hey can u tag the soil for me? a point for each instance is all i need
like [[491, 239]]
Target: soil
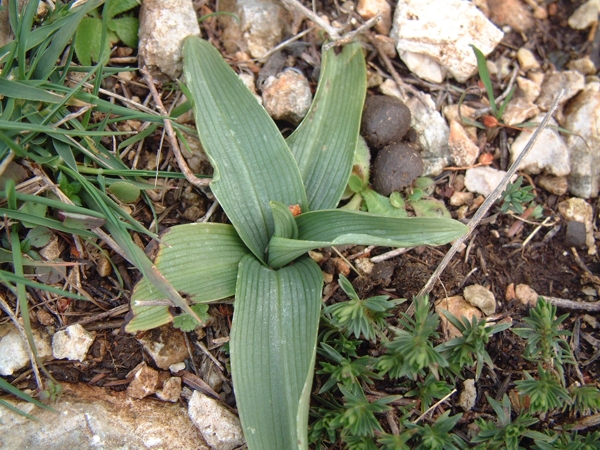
[[492, 258]]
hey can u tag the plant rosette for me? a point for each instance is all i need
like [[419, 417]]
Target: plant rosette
[[259, 178]]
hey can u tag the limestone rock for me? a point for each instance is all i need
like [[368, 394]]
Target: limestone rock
[[144, 383], [527, 60], [370, 8], [433, 37], [463, 150], [526, 295], [550, 153], [468, 396], [287, 96], [165, 345], [582, 118], [554, 185], [262, 25], [512, 13], [164, 24], [572, 82], [585, 16], [72, 343], [94, 418], [13, 350], [171, 390], [220, 427], [480, 297], [483, 180]]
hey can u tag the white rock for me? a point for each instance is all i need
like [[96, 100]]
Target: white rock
[[13, 350], [526, 295], [583, 65], [171, 390], [549, 154], [177, 367], [468, 396], [430, 127], [483, 180], [480, 297], [287, 96], [144, 382], [460, 198], [365, 265], [164, 24], [370, 8], [572, 82], [95, 418], [519, 110], [554, 185], [459, 308], [527, 60], [463, 150], [72, 343], [165, 345], [262, 24], [433, 37], [220, 427], [528, 89], [577, 209], [585, 16], [582, 117]]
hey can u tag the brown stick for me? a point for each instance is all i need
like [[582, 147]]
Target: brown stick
[[192, 179]]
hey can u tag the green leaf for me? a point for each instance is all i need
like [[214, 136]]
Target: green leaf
[[186, 323], [6, 386], [273, 346], [325, 141], [430, 207], [484, 74], [339, 227], [252, 163], [126, 28], [125, 191], [115, 7], [88, 41], [285, 225], [200, 260], [378, 204], [18, 89]]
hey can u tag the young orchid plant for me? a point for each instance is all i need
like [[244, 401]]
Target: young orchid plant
[[280, 196]]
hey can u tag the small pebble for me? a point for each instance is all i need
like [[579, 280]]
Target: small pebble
[[468, 396], [461, 198], [526, 295], [287, 96], [527, 60], [144, 383], [481, 297], [554, 185]]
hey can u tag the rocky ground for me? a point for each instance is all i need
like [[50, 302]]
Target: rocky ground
[[419, 54]]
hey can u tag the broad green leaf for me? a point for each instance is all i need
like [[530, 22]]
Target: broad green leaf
[[273, 346], [200, 260], [285, 225], [252, 163], [88, 42], [113, 8], [125, 191], [378, 204], [340, 227], [126, 28], [324, 143]]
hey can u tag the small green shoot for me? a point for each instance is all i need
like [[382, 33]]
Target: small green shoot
[[360, 317], [476, 334], [505, 433]]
